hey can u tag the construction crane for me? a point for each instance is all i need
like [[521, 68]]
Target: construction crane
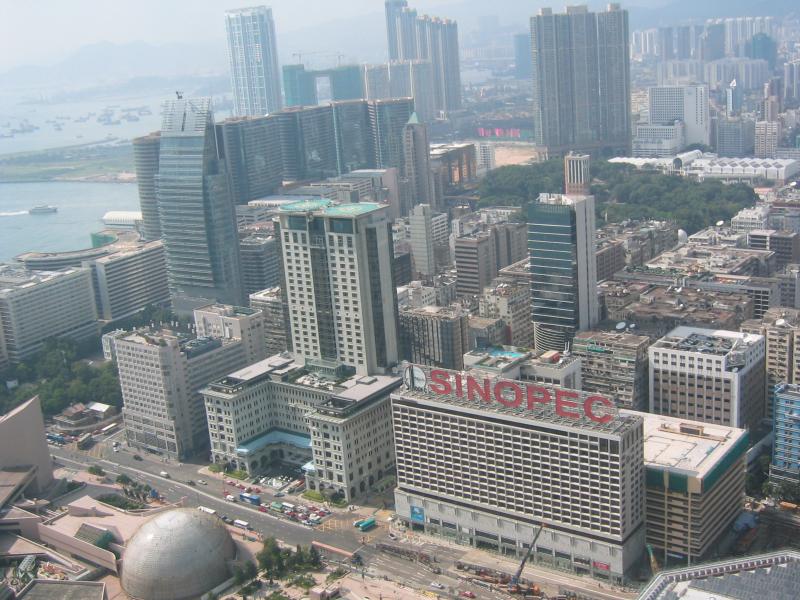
[[653, 562], [514, 583]]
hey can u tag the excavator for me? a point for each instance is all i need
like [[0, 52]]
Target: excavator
[[513, 585]]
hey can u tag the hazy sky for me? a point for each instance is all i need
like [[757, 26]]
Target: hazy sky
[[43, 31]]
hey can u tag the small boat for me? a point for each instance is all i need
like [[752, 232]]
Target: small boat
[[42, 210]]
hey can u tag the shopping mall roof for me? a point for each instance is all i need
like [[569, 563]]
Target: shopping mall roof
[[40, 589]]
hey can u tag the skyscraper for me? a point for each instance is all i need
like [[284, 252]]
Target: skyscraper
[[253, 58], [388, 119], [145, 160], [561, 245], [687, 103], [417, 161], [414, 79], [251, 149], [577, 174], [581, 79], [411, 36], [523, 68], [421, 230], [338, 276], [197, 217]]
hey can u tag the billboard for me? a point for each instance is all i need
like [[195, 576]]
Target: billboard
[[479, 388], [417, 514]]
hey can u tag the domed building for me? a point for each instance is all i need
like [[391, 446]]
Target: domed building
[[177, 555]]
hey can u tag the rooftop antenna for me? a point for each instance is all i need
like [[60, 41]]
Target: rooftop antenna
[[179, 95]]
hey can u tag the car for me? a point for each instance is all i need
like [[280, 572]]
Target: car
[[191, 483], [226, 519], [437, 586], [279, 494], [262, 508], [467, 594], [202, 482], [116, 449], [137, 457]]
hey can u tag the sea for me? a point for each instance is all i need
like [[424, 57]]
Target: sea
[[81, 206]]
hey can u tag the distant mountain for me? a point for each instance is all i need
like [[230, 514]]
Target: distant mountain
[[105, 63]]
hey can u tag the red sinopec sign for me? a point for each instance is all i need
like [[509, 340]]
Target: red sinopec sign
[[570, 404]]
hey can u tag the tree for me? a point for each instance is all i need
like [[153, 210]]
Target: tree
[[123, 479], [314, 559], [250, 570], [95, 470]]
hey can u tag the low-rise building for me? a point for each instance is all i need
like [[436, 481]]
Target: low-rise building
[[434, 335], [509, 301]]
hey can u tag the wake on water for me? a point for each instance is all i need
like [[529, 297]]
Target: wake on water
[[13, 214]]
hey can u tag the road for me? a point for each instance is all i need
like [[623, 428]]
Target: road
[[336, 530]]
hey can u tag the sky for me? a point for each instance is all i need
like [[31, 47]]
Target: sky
[[42, 32]]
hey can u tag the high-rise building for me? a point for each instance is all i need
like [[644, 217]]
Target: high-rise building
[[345, 82], [523, 66], [476, 262], [735, 137], [388, 119], [337, 261], [354, 142], [712, 42], [161, 374], [376, 81], [414, 37], [198, 221], [781, 330], [543, 461], [767, 138], [276, 326], [581, 79], [260, 262], [614, 364], [253, 59], [251, 149], [414, 79], [688, 104], [308, 143], [225, 322], [417, 162], [785, 460], [38, 305], [791, 80], [434, 335], [145, 160], [421, 230], [561, 243], [708, 375], [577, 174]]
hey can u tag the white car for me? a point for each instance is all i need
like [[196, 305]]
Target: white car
[[436, 585], [202, 482]]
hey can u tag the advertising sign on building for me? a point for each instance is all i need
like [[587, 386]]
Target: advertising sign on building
[[417, 514]]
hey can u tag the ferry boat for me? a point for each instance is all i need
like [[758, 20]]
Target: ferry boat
[[42, 210]]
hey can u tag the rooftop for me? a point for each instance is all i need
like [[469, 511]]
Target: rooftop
[[19, 278], [227, 310], [707, 341], [329, 208], [685, 446], [41, 589]]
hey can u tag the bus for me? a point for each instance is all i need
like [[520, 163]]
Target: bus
[[85, 441], [108, 428], [207, 510], [241, 524], [367, 524]]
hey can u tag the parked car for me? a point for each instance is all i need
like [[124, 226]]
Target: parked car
[[467, 594], [137, 457], [191, 483], [279, 494], [262, 508], [436, 585], [202, 482]]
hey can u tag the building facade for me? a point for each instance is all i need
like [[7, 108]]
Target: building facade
[[487, 462], [434, 335], [581, 79], [509, 301], [198, 220], [687, 104], [785, 465], [614, 364], [337, 264], [251, 149], [145, 161], [563, 267], [711, 376], [253, 61], [276, 324], [260, 259]]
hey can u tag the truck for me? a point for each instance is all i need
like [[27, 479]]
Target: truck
[[367, 524], [241, 524], [287, 506], [85, 441], [253, 499], [276, 506], [207, 510]]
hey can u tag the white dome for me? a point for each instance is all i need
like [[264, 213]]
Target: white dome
[[177, 555]]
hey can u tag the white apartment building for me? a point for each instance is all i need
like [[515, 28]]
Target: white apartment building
[[659, 141], [337, 262], [421, 229], [486, 462], [277, 411], [233, 323], [768, 137], [707, 375], [37, 305], [685, 103]]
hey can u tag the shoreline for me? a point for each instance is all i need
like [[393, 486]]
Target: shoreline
[[86, 179]]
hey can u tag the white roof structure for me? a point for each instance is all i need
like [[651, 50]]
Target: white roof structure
[[711, 166]]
